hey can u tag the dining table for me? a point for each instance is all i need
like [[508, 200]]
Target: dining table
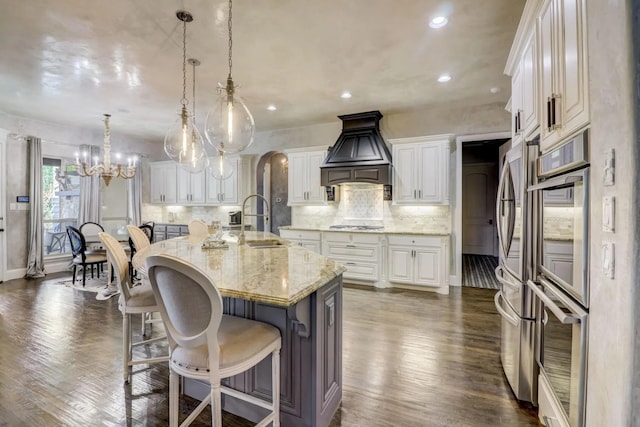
[[299, 291]]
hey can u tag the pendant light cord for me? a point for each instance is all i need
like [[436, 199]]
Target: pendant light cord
[[230, 39], [184, 101], [193, 98]]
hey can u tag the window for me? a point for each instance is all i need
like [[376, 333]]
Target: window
[[114, 206], [60, 203]]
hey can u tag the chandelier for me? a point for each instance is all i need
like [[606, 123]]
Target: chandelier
[[229, 125], [183, 142], [106, 169]]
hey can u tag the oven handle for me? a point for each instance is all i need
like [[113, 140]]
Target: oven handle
[[556, 182], [564, 318], [499, 271], [506, 316]]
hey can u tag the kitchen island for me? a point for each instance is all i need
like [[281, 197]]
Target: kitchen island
[[292, 288]]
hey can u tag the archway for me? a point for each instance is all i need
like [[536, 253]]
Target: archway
[[272, 181]]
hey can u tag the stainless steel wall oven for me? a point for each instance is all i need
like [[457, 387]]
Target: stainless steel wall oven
[[561, 286], [562, 356]]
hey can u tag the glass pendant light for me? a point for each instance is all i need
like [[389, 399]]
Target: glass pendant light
[[196, 138], [183, 142], [220, 167], [229, 126]]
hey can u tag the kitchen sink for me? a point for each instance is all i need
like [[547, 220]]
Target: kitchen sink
[[265, 244]]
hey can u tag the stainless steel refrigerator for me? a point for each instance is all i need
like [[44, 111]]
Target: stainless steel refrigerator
[[514, 300]]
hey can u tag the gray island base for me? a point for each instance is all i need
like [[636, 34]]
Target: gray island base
[[292, 288], [310, 360]]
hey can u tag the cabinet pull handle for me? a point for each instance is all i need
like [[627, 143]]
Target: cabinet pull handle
[[414, 194], [554, 119], [351, 246], [549, 113], [350, 263], [519, 115]]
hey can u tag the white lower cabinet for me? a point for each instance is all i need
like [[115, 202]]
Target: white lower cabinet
[[308, 239], [419, 260], [359, 252]]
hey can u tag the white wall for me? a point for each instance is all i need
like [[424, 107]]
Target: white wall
[[612, 315]]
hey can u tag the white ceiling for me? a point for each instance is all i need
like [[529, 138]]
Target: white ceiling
[[70, 61]]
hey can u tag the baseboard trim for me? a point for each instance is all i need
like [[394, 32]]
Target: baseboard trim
[[17, 273], [57, 266], [454, 280], [52, 266]]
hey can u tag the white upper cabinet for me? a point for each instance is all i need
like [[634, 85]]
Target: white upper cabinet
[[525, 111], [171, 184], [163, 182], [226, 191], [191, 187], [564, 94], [304, 177], [421, 170]]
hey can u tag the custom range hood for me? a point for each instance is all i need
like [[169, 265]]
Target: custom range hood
[[359, 155]]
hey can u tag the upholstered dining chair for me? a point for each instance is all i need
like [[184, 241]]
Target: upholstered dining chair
[[144, 240], [133, 300], [206, 344], [92, 229], [82, 257], [198, 228], [138, 240]]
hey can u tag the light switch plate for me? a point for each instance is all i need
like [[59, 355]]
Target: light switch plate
[[608, 259], [609, 167], [608, 213]]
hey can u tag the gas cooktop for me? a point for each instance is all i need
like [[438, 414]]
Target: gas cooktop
[[356, 227]]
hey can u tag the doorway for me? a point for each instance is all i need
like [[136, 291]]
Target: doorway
[[272, 181], [479, 175]]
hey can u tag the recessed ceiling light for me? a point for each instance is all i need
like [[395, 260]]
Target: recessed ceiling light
[[345, 95], [494, 90], [444, 78], [438, 22], [272, 107]]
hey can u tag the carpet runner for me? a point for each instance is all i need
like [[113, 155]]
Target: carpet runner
[[478, 271]]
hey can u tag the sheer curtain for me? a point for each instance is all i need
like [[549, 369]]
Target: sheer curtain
[[90, 194], [35, 258], [134, 197]]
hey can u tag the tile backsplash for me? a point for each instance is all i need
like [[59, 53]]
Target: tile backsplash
[[363, 204], [358, 204]]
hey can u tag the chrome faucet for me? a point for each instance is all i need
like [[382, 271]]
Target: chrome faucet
[[241, 238]]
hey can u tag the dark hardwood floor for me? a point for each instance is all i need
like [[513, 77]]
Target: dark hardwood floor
[[410, 359]]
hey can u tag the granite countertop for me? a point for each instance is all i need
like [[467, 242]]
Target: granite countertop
[[385, 230], [282, 275]]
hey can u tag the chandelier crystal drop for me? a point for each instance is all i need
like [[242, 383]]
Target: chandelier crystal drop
[[183, 142], [106, 169], [229, 125]]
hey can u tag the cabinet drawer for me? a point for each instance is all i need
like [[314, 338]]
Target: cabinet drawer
[[372, 239], [300, 235], [173, 229], [405, 240], [352, 251], [356, 270]]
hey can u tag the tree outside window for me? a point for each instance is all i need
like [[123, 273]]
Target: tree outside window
[[60, 201]]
